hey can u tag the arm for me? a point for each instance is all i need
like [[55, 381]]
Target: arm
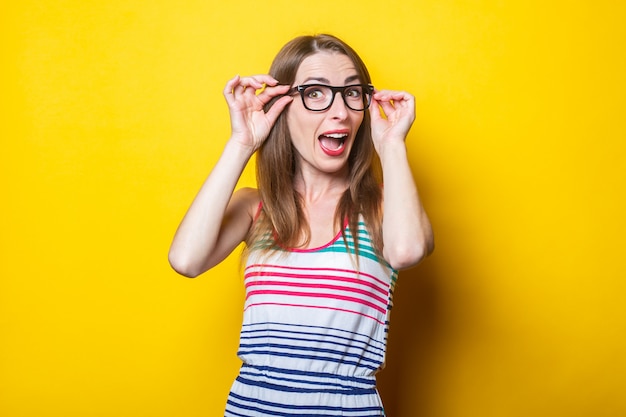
[[219, 219], [407, 233]]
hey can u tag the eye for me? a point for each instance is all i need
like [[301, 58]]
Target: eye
[[314, 93], [353, 92]]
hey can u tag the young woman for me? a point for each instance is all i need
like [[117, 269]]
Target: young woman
[[325, 238]]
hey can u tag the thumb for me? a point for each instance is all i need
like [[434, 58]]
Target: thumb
[[375, 110], [278, 107]]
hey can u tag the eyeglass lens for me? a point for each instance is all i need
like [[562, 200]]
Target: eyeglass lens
[[320, 97]]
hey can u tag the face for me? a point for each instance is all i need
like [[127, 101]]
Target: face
[[323, 139]]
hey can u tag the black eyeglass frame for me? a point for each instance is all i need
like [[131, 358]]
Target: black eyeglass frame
[[368, 89]]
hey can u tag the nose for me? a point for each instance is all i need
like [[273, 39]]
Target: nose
[[338, 108]]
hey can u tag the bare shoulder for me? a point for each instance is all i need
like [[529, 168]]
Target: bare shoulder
[[246, 200]]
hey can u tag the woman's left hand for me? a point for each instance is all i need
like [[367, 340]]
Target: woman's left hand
[[407, 233], [392, 114]]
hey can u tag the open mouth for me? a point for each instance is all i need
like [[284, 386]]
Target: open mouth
[[333, 144]]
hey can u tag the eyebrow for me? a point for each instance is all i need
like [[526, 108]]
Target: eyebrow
[[325, 80]]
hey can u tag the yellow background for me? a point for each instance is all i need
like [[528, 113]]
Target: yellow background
[[112, 116]]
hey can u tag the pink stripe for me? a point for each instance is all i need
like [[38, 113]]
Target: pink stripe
[[295, 268], [329, 277], [327, 296], [318, 307], [327, 287], [333, 278]]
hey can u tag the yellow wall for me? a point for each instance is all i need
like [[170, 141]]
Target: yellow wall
[[112, 115]]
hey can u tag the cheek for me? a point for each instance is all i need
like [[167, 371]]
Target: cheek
[[294, 127], [358, 123], [360, 118], [301, 125]]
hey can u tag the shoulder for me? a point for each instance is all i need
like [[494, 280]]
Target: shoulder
[[248, 200], [248, 193]]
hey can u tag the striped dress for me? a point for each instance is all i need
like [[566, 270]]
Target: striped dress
[[314, 332]]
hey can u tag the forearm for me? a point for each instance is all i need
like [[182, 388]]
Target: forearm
[[407, 233], [198, 233]]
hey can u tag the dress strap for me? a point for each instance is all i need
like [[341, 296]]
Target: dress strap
[[258, 211]]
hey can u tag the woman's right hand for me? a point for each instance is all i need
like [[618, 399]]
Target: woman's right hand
[[250, 124]]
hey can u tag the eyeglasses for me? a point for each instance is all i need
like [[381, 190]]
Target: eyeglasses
[[319, 97]]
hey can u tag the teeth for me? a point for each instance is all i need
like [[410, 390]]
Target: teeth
[[337, 135]]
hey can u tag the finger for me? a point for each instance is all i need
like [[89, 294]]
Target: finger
[[385, 101], [387, 95], [269, 92], [238, 85], [255, 88], [375, 110], [229, 88], [250, 83], [266, 79], [383, 95], [259, 81], [278, 107], [402, 101], [387, 107]]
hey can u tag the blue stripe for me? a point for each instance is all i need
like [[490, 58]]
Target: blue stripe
[[375, 412], [321, 385], [287, 388], [265, 326], [312, 349], [353, 380], [364, 411], [309, 357], [274, 334], [307, 326], [236, 400]]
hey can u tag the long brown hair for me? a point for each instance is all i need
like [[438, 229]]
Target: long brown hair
[[282, 220]]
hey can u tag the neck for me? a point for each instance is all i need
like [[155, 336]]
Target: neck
[[319, 186]]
